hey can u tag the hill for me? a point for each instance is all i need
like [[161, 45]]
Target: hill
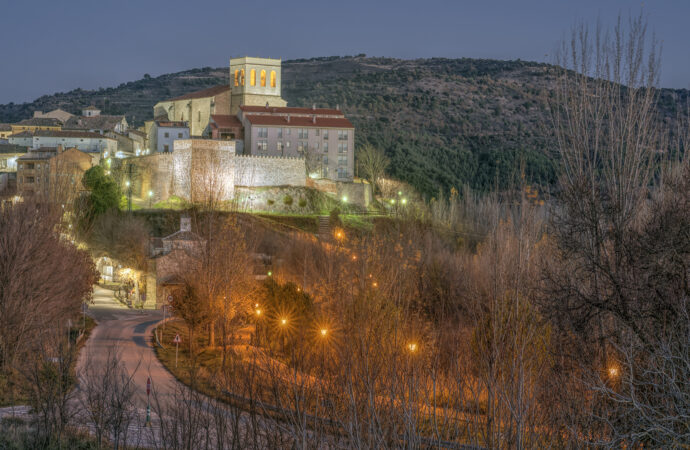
[[443, 122]]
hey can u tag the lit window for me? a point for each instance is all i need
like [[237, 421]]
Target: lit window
[[242, 77], [287, 144], [262, 145], [252, 77], [237, 77], [279, 146], [273, 78], [263, 78]]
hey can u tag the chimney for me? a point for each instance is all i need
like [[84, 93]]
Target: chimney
[[288, 118], [313, 119], [313, 106], [337, 106], [185, 223]]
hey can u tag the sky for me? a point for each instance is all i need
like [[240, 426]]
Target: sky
[[53, 46]]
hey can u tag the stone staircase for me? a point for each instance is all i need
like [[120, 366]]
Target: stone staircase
[[324, 227]]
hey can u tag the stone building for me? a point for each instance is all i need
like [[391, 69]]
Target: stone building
[[255, 82], [52, 172], [35, 124], [90, 111], [195, 108], [98, 123], [5, 131]]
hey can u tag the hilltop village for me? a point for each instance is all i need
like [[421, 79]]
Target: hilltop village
[[243, 135]]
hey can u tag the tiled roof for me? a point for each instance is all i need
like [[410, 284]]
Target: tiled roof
[[12, 148], [41, 122], [302, 122], [169, 124], [70, 134], [39, 153], [290, 110], [210, 92], [137, 132], [102, 122], [22, 134], [226, 121]]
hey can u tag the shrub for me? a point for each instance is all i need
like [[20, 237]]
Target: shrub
[[270, 202], [287, 200], [302, 202]]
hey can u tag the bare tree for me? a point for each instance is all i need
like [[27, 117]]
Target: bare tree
[[373, 163]]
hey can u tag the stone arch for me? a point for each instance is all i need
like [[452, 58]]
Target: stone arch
[[273, 78], [263, 78], [252, 77]]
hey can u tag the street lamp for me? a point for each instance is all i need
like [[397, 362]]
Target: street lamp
[[324, 332], [412, 347], [150, 197], [283, 321]]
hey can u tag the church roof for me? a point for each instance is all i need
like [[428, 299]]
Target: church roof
[[210, 92]]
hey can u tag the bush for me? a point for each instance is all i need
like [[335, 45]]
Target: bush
[[270, 202], [287, 200], [302, 202]]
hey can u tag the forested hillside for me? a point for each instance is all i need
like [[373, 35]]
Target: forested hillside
[[443, 122]]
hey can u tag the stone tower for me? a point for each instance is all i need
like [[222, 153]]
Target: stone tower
[[255, 82]]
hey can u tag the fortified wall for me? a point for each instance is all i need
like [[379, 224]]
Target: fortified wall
[[199, 166], [255, 171]]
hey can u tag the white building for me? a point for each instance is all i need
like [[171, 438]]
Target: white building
[[82, 140], [165, 133]]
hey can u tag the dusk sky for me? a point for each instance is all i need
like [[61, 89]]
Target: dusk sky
[[56, 46]]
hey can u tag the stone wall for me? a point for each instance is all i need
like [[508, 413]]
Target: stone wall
[[269, 171], [356, 193]]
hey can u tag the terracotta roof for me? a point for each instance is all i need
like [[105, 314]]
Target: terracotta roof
[[70, 134], [210, 92], [290, 110], [302, 122], [41, 122], [226, 121], [137, 132], [22, 134], [39, 153], [102, 122], [12, 148], [5, 127], [169, 124]]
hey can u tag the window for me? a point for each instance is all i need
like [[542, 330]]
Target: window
[[302, 133], [29, 179], [288, 131], [301, 146], [262, 132], [166, 148], [273, 78], [179, 135], [252, 77], [342, 160], [325, 147], [279, 146], [262, 145], [287, 144], [263, 78], [280, 133], [342, 135], [342, 147], [325, 135], [237, 77], [166, 134], [316, 146], [199, 117], [317, 131], [30, 166], [242, 77], [325, 160], [342, 172]]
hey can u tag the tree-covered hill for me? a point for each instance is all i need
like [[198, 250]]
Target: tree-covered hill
[[443, 122]]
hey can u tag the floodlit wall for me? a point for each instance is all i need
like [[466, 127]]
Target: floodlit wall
[[269, 171]]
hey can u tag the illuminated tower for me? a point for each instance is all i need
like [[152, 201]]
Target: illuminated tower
[[255, 82]]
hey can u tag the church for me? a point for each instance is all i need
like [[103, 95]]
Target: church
[[251, 111]]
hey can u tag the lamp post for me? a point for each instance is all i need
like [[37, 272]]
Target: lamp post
[[150, 198]]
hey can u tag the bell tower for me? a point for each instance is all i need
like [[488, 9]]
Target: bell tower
[[255, 82]]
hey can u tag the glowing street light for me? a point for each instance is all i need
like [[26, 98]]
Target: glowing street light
[[404, 201], [412, 347], [150, 194], [324, 332], [344, 198], [127, 183], [269, 273], [613, 372], [283, 321], [258, 312]]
